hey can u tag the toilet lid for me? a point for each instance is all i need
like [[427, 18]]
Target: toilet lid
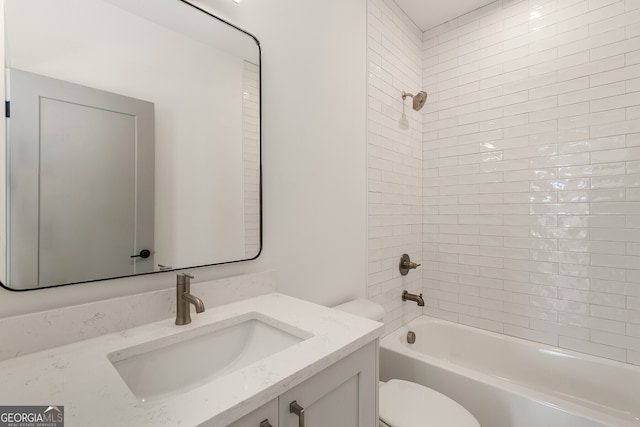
[[407, 404]]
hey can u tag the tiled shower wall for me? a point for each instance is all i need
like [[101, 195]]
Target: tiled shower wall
[[251, 158], [394, 135], [532, 173]]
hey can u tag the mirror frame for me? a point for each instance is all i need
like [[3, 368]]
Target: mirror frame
[[260, 177]]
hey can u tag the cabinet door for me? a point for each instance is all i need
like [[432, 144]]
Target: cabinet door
[[345, 394], [268, 412]]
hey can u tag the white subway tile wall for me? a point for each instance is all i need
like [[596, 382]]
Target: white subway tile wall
[[394, 135], [251, 158], [531, 180]]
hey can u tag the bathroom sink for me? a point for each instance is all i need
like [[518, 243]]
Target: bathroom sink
[[172, 365]]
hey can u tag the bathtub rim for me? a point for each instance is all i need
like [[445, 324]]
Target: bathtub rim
[[396, 342]]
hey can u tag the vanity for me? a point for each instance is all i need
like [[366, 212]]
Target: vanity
[[267, 360]]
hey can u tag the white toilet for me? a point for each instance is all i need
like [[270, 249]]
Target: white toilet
[[407, 404]]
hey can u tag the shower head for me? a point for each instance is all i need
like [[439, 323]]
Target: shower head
[[419, 99]]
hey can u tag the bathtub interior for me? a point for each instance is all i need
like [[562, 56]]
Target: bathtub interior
[[582, 379], [453, 354], [492, 406]]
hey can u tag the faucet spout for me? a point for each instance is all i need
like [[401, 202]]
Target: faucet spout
[[406, 296], [197, 302], [184, 299]]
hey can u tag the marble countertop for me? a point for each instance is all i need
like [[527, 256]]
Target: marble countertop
[[81, 377]]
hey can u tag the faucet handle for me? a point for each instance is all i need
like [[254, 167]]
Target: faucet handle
[[183, 282]]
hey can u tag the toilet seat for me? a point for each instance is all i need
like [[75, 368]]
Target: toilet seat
[[407, 404]]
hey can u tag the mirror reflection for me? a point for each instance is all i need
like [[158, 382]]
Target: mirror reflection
[[133, 140]]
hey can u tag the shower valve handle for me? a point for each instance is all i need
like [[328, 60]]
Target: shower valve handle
[[406, 265], [410, 265]]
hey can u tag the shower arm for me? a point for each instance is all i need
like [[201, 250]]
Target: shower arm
[[405, 94]]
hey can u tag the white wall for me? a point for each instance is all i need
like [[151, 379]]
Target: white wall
[[314, 170], [394, 159], [531, 173], [314, 152]]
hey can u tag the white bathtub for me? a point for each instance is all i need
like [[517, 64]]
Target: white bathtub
[[509, 382]]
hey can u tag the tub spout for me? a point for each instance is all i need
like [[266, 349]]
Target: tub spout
[[406, 296]]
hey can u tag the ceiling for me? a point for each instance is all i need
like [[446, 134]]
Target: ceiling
[[430, 13]]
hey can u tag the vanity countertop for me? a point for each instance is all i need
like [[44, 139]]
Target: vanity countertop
[[81, 377]]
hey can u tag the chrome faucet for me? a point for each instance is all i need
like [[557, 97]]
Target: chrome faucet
[[184, 298], [406, 296]]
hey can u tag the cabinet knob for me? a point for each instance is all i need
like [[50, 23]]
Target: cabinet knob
[[294, 408], [265, 423]]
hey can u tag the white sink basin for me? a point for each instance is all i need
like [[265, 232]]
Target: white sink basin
[[175, 364]]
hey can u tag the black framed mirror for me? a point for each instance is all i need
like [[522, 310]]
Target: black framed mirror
[[133, 140]]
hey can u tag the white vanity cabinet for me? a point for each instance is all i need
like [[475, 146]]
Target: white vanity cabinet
[[344, 394], [264, 416]]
